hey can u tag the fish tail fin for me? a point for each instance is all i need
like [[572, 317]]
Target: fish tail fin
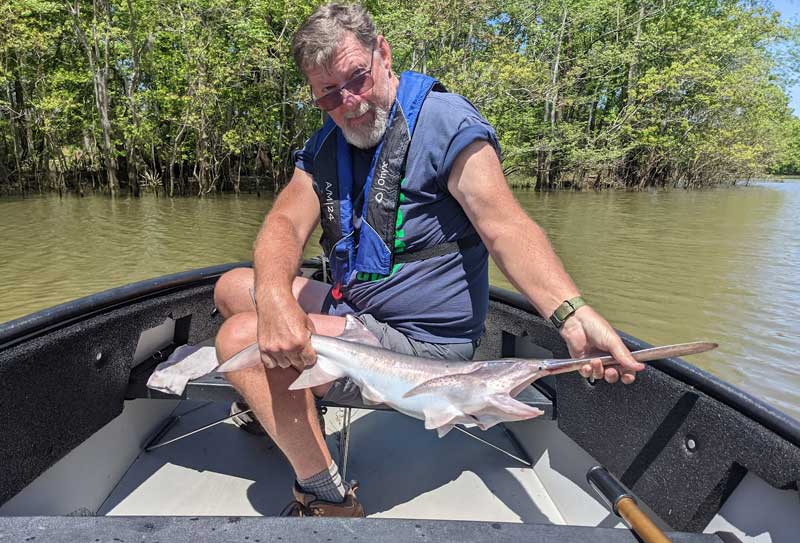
[[248, 357], [319, 374]]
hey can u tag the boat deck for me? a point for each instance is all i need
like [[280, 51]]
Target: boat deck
[[405, 471]]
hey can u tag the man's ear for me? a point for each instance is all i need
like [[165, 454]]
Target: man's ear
[[385, 52]]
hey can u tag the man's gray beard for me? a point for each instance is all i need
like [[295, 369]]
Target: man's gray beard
[[367, 136]]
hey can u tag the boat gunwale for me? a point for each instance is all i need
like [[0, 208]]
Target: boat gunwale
[[62, 315], [67, 313], [748, 405]]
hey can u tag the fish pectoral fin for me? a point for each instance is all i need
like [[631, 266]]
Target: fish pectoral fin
[[428, 386], [476, 376], [439, 418], [445, 383], [318, 374]]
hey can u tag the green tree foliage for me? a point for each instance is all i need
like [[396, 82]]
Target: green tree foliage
[[189, 96], [789, 163]]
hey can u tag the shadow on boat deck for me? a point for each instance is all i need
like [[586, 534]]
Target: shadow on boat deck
[[404, 471]]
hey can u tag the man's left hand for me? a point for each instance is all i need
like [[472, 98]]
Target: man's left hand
[[587, 334]]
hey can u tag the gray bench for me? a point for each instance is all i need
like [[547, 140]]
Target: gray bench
[[214, 387]]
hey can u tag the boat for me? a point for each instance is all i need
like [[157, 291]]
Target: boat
[[89, 453]]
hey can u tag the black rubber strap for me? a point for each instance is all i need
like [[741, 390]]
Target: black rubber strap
[[438, 250]]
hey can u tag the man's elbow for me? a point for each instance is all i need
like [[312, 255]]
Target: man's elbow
[[511, 230]]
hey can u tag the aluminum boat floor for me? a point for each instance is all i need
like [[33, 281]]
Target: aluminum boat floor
[[405, 471]]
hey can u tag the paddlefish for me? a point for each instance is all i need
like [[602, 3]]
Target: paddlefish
[[441, 393]]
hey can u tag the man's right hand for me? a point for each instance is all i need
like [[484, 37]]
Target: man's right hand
[[284, 335]]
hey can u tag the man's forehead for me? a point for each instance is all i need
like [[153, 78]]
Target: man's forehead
[[348, 56]]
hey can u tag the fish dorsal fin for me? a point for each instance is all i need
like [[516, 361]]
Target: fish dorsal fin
[[319, 374], [356, 332]]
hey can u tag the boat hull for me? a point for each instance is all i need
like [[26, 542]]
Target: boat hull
[[683, 441]]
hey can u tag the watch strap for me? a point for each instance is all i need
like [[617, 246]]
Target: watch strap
[[565, 310]]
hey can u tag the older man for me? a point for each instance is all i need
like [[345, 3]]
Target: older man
[[406, 181]]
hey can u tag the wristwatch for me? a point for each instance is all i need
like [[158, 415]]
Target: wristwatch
[[565, 311]]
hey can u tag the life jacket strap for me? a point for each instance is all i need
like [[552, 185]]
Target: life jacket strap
[[438, 250]]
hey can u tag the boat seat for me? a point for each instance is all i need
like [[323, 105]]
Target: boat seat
[[211, 385], [214, 387]]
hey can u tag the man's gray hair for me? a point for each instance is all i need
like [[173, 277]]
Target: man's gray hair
[[317, 39]]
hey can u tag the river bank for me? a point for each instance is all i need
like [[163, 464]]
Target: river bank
[[265, 187]]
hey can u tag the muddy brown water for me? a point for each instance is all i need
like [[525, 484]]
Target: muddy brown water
[[667, 267]]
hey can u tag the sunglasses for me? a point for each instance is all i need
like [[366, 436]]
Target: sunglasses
[[358, 84]]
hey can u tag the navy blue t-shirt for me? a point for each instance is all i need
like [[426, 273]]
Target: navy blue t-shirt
[[443, 299]]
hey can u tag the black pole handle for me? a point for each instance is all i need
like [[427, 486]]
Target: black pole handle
[[609, 488]]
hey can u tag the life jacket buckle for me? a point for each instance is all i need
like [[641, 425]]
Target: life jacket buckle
[[336, 292]]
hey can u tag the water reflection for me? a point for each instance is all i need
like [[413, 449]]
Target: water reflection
[[664, 266]]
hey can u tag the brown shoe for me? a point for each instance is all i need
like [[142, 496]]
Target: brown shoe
[[307, 505]]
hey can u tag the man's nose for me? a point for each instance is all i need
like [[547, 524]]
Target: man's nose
[[350, 100]]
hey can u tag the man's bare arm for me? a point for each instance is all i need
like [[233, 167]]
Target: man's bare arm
[[283, 328], [518, 245], [523, 253]]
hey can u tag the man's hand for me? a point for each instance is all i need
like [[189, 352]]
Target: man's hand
[[284, 335], [588, 334]]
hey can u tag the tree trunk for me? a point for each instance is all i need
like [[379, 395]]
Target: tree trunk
[[632, 69], [97, 53]]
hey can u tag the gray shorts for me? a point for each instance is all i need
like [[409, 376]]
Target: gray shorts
[[345, 392]]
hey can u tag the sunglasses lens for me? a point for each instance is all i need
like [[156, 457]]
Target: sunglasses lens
[[359, 84], [330, 101]]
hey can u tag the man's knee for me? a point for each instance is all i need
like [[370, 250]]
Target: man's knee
[[232, 291], [236, 333]]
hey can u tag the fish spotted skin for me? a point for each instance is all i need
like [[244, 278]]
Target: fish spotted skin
[[442, 393]]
